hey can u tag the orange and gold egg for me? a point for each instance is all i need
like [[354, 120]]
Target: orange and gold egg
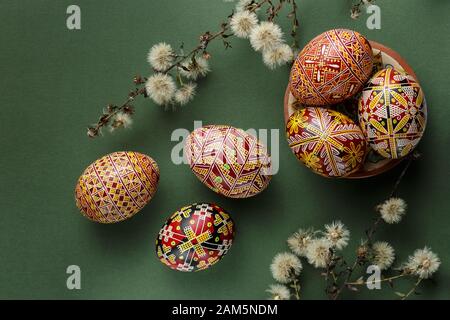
[[116, 186], [331, 68]]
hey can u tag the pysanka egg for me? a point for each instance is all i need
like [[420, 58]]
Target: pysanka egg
[[392, 113], [228, 160], [332, 67], [116, 186], [326, 141], [195, 237]]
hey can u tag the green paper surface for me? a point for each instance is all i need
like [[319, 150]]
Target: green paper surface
[[55, 81]]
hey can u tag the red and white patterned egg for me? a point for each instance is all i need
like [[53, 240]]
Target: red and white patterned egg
[[195, 237], [326, 141], [393, 113], [116, 186], [228, 160], [331, 68]]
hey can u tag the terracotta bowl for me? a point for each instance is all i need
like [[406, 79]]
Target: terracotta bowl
[[374, 163]]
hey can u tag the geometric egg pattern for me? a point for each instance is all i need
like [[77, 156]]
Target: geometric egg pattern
[[116, 186], [326, 141], [195, 237], [228, 160], [393, 113], [332, 67]]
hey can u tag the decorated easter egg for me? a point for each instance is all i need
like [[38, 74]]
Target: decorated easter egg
[[228, 160], [116, 186], [326, 141], [195, 237], [392, 113], [331, 68]]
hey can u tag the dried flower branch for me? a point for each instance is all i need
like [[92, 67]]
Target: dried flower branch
[[322, 250], [295, 24], [175, 72], [355, 12], [111, 111]]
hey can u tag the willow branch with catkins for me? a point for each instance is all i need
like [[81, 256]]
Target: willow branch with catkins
[[175, 72], [322, 250]]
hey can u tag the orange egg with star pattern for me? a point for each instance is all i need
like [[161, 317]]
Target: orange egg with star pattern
[[326, 141]]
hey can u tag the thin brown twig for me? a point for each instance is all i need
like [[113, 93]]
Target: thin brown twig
[[349, 271], [295, 23], [205, 39], [296, 286], [356, 283], [413, 289], [112, 111], [329, 271], [414, 156], [372, 230]]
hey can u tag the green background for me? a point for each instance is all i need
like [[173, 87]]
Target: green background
[[54, 82]]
